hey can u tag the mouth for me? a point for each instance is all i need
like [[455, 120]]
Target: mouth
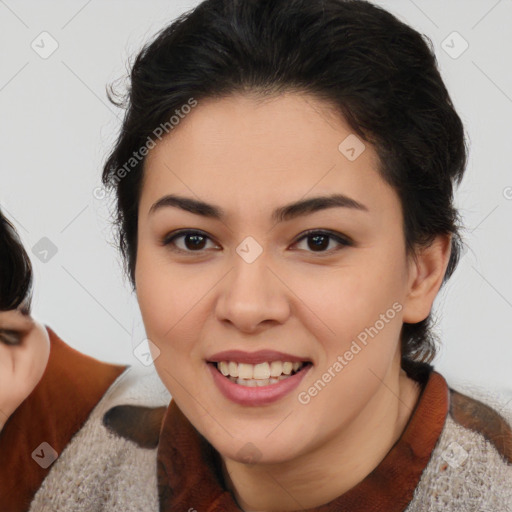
[[257, 378], [264, 374], [260, 382]]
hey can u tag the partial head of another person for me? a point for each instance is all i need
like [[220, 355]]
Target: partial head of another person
[[24, 343]]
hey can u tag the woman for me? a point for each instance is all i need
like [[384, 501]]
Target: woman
[[284, 179], [47, 389]]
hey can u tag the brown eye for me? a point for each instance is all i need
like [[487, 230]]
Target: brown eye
[[318, 241], [10, 337], [193, 241]]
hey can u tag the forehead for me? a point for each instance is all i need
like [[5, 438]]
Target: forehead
[[246, 150], [15, 319]]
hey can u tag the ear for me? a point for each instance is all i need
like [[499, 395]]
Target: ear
[[426, 272]]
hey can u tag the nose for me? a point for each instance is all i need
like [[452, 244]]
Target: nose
[[253, 297]]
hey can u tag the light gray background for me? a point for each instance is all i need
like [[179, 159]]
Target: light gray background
[[57, 126]]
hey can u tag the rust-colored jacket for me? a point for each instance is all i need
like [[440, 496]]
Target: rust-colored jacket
[[454, 455], [48, 418]]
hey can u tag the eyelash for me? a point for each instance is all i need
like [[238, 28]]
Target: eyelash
[[9, 337], [343, 241]]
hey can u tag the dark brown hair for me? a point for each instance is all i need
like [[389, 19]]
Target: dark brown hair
[[15, 269]]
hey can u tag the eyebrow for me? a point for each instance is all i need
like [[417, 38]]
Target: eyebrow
[[281, 214], [25, 309]]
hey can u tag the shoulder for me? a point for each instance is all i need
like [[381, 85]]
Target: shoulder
[[104, 468], [485, 416], [471, 466]]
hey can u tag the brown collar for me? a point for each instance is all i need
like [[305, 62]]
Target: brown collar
[[189, 475], [71, 386]]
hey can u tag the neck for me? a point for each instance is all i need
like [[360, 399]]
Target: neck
[[340, 463]]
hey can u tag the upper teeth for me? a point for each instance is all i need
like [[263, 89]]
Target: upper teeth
[[258, 371]]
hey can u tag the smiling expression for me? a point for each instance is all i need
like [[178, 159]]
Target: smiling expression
[[255, 233]]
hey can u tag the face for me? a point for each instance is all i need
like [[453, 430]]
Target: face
[[24, 352], [322, 285]]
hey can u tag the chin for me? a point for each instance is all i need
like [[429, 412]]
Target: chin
[[257, 450]]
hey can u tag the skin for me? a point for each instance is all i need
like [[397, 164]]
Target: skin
[[249, 157], [21, 364]]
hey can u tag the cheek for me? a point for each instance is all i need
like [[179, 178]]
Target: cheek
[[361, 303], [159, 301], [154, 285], [167, 300], [355, 295], [362, 307], [157, 298], [39, 346]]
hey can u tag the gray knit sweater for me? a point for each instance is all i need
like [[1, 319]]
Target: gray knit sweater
[[101, 471]]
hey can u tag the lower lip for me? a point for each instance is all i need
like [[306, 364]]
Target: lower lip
[[255, 396]]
